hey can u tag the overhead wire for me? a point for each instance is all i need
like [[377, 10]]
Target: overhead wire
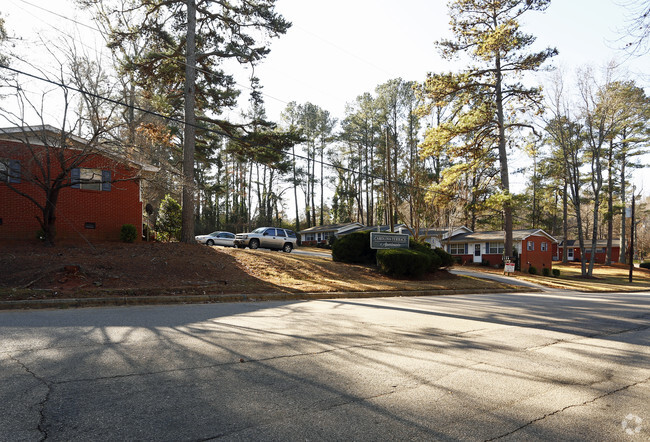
[[177, 61], [207, 129], [183, 63]]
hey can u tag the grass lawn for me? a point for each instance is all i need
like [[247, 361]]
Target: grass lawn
[[605, 278]]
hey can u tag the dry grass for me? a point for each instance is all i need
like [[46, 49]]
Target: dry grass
[[605, 278], [34, 271]]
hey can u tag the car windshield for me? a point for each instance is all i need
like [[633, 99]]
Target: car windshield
[[214, 234], [259, 230]]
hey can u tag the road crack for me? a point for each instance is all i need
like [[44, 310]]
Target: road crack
[[41, 427], [591, 401]]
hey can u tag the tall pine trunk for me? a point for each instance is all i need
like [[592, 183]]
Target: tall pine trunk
[[610, 203], [503, 159], [187, 230]]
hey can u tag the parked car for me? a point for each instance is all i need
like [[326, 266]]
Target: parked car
[[268, 238], [217, 238]]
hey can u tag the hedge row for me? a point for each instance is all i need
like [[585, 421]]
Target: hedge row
[[413, 262]]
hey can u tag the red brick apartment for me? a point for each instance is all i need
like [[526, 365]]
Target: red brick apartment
[[573, 250], [534, 248], [102, 192]]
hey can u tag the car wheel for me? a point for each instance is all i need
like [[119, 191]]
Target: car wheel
[[287, 248], [254, 244], [210, 242]]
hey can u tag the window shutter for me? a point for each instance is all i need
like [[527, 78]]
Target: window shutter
[[14, 171], [75, 177], [466, 248], [106, 180], [487, 247], [448, 248]]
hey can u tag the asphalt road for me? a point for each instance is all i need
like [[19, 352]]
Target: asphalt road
[[483, 367]]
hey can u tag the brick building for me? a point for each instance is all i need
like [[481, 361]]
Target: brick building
[[573, 250], [101, 191], [533, 246]]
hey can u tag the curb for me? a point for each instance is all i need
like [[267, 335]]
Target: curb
[[210, 299]]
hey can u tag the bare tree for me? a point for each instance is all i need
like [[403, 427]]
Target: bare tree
[[636, 35], [47, 156]]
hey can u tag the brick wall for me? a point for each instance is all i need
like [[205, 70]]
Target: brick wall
[[536, 257], [108, 210]]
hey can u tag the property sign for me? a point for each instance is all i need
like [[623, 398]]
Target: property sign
[[510, 267], [389, 240]]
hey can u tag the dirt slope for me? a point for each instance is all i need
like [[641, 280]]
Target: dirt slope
[[157, 268]]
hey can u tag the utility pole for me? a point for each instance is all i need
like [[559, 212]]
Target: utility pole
[[632, 235], [390, 186]]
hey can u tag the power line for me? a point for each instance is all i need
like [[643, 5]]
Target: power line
[[206, 129], [179, 62]]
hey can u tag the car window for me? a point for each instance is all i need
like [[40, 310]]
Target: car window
[[259, 230], [290, 233], [281, 232], [269, 232], [228, 235]]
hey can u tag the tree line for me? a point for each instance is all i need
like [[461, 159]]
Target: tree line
[[430, 153]]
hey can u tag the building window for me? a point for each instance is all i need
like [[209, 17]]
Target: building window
[[9, 171], [89, 226], [495, 248], [544, 247], [530, 246], [91, 179], [457, 249]]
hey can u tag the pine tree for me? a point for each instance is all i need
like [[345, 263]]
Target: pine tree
[[488, 32]]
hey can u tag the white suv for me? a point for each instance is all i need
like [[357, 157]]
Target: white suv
[[269, 238]]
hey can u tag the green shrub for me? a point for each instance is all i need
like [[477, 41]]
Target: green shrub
[[403, 262], [546, 271], [556, 272], [169, 219], [128, 233], [532, 270], [447, 259], [434, 260], [645, 265], [354, 249]]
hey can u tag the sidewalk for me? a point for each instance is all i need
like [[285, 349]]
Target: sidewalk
[[501, 278]]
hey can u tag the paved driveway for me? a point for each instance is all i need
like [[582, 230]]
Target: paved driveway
[[499, 278], [484, 367]]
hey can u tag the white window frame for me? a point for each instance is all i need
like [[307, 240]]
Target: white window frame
[[530, 246], [544, 246], [457, 249], [495, 248]]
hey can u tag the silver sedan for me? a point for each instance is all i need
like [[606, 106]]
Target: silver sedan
[[226, 239]]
